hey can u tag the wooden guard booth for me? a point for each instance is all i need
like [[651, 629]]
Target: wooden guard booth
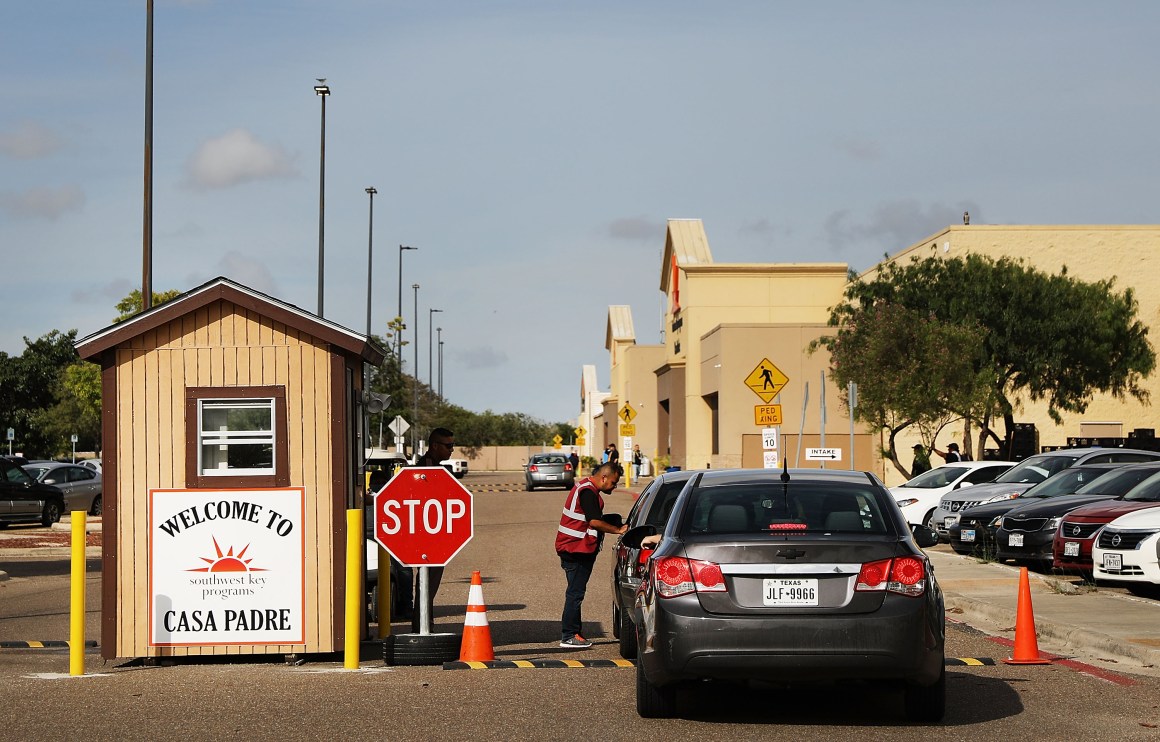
[[236, 404]]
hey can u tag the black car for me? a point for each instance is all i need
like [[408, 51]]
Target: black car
[[795, 576], [1025, 534], [24, 500], [974, 533], [652, 507]]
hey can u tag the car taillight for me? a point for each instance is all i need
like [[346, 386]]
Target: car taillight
[[676, 576], [532, 467], [644, 555], [905, 576], [567, 467]]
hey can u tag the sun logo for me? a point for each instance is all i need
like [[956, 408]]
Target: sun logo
[[227, 562]]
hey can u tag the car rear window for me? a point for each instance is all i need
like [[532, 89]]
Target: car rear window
[[1116, 482], [1036, 469], [799, 507]]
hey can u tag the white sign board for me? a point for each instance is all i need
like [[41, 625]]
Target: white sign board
[[626, 447], [769, 439], [226, 567], [399, 426], [770, 460], [824, 454]]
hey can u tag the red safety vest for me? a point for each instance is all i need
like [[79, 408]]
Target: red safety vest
[[574, 536]]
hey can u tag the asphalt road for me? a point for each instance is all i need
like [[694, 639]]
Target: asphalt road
[[523, 589]]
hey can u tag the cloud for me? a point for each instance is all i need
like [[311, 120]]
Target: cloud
[[248, 272], [636, 228], [859, 149], [482, 357], [895, 224], [236, 157], [29, 141], [106, 294], [42, 203]]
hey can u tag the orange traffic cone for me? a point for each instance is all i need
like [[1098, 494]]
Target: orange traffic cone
[[476, 646], [1026, 645]]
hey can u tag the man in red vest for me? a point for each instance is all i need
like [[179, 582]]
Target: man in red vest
[[582, 528]]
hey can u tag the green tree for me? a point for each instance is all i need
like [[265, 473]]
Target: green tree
[[28, 387], [131, 304], [1041, 337], [77, 411]]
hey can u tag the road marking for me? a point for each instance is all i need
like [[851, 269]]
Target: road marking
[[52, 644], [560, 664]]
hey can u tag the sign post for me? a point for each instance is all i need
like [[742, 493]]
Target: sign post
[[423, 517], [399, 426]]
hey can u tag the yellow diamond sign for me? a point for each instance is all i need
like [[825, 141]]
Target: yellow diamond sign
[[766, 380], [627, 414]]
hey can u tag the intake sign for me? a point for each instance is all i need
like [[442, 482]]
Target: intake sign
[[226, 567]]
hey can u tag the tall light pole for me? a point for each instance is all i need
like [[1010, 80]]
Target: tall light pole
[[415, 384], [430, 348], [399, 330], [322, 90], [370, 251], [147, 211], [439, 378]]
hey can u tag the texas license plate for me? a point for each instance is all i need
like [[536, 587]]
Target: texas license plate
[[550, 476], [1015, 539], [949, 521], [967, 534], [1113, 562], [1071, 548], [783, 592]]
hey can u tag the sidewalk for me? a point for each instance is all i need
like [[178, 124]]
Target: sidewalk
[[1107, 627]]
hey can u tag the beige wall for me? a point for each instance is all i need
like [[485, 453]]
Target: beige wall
[[634, 381]]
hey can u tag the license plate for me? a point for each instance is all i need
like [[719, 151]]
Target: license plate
[[967, 534], [949, 521], [550, 476], [1015, 539], [1113, 562], [782, 592], [1071, 548]]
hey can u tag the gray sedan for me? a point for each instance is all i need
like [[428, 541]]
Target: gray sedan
[[548, 470], [81, 485]]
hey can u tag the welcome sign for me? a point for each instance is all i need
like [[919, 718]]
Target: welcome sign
[[226, 567]]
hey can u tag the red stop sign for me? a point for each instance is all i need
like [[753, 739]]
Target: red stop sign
[[423, 517]]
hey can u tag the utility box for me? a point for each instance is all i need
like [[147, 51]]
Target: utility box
[[232, 431]]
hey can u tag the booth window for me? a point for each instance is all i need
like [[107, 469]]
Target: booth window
[[236, 437]]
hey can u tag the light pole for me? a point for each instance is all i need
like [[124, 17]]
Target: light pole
[[439, 378], [430, 349], [415, 382], [370, 251], [402, 325], [322, 90], [147, 210]]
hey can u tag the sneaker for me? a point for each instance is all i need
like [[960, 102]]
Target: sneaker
[[576, 642]]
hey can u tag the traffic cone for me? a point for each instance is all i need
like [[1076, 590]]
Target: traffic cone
[[1026, 645], [476, 646]]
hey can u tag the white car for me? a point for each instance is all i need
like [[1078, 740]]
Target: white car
[[1127, 550], [919, 497]]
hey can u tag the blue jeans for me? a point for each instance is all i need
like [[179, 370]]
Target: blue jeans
[[577, 573]]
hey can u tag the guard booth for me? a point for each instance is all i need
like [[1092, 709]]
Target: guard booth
[[232, 437]]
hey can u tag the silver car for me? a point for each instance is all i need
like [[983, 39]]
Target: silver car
[[81, 485], [548, 470]]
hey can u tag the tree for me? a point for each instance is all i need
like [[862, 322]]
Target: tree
[[131, 304], [77, 411], [1040, 337], [28, 385]]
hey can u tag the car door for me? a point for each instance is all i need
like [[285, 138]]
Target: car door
[[86, 484], [23, 501], [985, 474]]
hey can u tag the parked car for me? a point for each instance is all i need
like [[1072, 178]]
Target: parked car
[[1072, 546], [457, 467], [975, 531], [548, 470], [81, 485], [1027, 473], [789, 577], [652, 507], [1027, 533], [25, 500], [94, 464], [1127, 551], [919, 497]]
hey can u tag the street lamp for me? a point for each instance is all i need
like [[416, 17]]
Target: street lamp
[[370, 251], [439, 378], [322, 90], [430, 348], [399, 330], [415, 382]]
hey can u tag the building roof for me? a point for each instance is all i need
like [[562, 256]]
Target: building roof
[[223, 289], [619, 325], [685, 240]]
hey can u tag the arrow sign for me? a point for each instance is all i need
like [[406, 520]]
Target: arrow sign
[[823, 454]]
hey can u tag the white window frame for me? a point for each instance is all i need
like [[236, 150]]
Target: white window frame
[[226, 438]]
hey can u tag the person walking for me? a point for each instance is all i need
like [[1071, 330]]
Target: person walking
[[637, 460], [574, 460], [614, 457], [578, 539], [921, 461], [440, 446]]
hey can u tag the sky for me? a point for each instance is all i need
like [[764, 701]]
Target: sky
[[533, 149]]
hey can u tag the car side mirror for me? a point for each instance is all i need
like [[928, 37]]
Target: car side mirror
[[633, 536], [960, 485], [926, 537]]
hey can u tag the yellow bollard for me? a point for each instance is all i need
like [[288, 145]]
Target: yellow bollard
[[384, 602], [76, 644], [354, 574]]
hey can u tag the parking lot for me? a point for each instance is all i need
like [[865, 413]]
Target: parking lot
[[523, 588]]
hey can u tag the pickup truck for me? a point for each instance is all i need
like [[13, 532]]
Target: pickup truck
[[458, 467]]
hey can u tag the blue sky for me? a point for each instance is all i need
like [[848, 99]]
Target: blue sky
[[533, 149]]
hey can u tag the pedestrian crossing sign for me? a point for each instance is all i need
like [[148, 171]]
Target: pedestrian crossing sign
[[766, 380]]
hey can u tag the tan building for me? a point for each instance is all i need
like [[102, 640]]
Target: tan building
[[633, 383]]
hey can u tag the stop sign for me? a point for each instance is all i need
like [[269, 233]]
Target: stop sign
[[423, 516]]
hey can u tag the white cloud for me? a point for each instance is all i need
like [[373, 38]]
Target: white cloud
[[29, 141], [248, 272], [636, 228], [237, 157], [42, 203], [895, 224], [481, 357]]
